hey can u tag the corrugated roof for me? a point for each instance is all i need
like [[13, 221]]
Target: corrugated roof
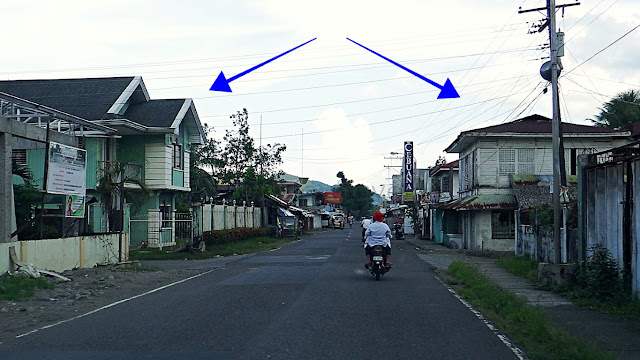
[[483, 202], [539, 124], [529, 126], [88, 98]]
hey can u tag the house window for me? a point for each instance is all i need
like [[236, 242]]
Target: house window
[[444, 183], [303, 202], [507, 161], [516, 161], [502, 224], [526, 163], [177, 156]]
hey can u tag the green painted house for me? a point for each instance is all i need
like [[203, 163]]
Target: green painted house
[[154, 138]]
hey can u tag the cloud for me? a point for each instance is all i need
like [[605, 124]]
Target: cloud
[[347, 149]]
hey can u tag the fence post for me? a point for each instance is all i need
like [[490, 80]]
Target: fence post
[[235, 215], [224, 214]]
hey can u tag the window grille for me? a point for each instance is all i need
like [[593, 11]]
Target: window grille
[[19, 156], [177, 156], [502, 224]]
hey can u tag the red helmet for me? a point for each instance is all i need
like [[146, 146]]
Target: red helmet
[[378, 216]]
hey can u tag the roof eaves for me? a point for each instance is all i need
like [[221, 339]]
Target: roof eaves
[[117, 107]]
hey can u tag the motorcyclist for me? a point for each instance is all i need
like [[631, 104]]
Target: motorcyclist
[[378, 233]]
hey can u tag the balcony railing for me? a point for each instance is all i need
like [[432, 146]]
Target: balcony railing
[[130, 171]]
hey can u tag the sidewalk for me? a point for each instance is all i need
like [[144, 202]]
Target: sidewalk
[[617, 336]]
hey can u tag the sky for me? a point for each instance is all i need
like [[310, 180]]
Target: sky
[[336, 106]]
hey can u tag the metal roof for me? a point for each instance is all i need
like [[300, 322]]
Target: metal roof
[[483, 202]]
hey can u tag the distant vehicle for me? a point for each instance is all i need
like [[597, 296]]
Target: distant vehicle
[[338, 221]]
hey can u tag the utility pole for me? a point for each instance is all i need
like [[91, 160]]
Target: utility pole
[[555, 130], [390, 166], [556, 134], [263, 211]]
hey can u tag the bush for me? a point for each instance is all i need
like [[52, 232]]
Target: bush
[[599, 276], [233, 235]]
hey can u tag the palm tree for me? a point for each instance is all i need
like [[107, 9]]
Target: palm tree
[[119, 180], [622, 110]]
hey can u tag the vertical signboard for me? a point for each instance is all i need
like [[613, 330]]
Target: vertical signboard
[[67, 170], [407, 172]]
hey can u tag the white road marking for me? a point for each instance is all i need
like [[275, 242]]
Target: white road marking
[[114, 304], [505, 340]]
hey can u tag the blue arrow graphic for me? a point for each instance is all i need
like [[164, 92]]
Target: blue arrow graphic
[[447, 91], [222, 83]]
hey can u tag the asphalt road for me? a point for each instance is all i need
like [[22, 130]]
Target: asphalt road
[[311, 299]]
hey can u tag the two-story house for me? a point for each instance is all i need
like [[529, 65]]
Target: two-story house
[[153, 137], [442, 189], [488, 156]]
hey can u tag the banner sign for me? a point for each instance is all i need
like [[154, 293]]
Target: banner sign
[[74, 206], [407, 172], [332, 197], [67, 170]]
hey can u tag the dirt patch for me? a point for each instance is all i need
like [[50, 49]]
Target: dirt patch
[[88, 290]]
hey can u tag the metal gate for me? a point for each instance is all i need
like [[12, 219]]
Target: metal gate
[[609, 216], [183, 227], [146, 231]]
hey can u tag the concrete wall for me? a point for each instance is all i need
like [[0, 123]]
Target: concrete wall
[[219, 217], [65, 254]]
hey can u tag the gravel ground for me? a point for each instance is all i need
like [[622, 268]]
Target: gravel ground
[[89, 289]]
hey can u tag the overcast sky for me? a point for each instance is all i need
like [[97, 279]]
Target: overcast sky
[[336, 106]]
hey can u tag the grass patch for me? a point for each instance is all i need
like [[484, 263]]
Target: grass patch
[[19, 287], [248, 246], [520, 266], [527, 325]]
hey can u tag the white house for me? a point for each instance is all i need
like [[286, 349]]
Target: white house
[[488, 156]]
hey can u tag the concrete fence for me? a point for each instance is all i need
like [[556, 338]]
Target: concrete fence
[[221, 217], [67, 253]]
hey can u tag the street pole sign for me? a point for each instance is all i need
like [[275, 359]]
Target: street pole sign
[[407, 172]]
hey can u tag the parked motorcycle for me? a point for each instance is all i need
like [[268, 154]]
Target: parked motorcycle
[[377, 262], [398, 231]]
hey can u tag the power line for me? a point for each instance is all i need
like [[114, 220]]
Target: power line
[[603, 49]]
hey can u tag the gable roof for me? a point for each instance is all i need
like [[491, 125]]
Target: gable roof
[[89, 98], [531, 126], [155, 113]]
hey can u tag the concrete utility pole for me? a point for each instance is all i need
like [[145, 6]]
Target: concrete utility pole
[[555, 130], [558, 158]]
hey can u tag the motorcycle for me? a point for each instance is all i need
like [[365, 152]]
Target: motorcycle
[[398, 231], [377, 262]]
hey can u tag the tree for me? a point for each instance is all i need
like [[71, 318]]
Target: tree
[[622, 110], [201, 182], [239, 152], [118, 181], [26, 200], [356, 200], [254, 185]]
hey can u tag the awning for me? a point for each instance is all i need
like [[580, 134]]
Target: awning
[[304, 213], [482, 202], [285, 213]]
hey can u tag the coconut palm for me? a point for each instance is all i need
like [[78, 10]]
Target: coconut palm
[[118, 181], [620, 111]]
